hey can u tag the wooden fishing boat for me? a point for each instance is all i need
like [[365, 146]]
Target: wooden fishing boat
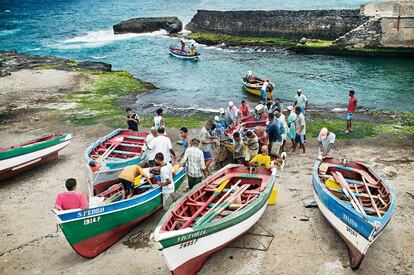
[[112, 153], [244, 125], [92, 231], [178, 53], [355, 200], [17, 159], [211, 215], [253, 85]]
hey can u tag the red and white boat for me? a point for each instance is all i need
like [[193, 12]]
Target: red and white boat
[[211, 215]]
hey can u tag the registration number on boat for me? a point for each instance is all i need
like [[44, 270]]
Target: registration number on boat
[[186, 244], [350, 230], [91, 220]]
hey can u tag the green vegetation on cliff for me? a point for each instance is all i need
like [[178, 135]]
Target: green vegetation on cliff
[[213, 39]]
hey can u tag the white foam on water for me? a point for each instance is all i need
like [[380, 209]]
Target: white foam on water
[[95, 39], [338, 110], [8, 32], [98, 57], [184, 32]]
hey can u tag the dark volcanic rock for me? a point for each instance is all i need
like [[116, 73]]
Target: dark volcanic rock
[[11, 61], [149, 24]]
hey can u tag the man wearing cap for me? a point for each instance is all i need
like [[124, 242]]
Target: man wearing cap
[[301, 101], [223, 119], [194, 160], [231, 114], [326, 140], [244, 109]]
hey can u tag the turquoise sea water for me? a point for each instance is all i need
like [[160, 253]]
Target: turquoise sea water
[[82, 30]]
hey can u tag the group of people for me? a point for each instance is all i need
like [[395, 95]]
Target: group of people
[[257, 146]]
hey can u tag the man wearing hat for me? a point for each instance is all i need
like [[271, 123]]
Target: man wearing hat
[[231, 114], [301, 101], [223, 119], [326, 140], [194, 160]]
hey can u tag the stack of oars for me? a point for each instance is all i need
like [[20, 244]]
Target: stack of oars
[[359, 195]]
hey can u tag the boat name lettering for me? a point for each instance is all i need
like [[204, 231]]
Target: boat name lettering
[[91, 220], [191, 236], [350, 221], [91, 212]]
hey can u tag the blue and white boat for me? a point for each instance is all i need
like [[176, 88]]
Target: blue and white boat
[[356, 201], [178, 53], [111, 154]]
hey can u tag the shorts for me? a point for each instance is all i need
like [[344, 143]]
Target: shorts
[[300, 139], [193, 181], [263, 95], [275, 147], [207, 155], [348, 116], [302, 110], [128, 186]]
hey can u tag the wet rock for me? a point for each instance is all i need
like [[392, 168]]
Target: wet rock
[[303, 40], [310, 203], [149, 24]]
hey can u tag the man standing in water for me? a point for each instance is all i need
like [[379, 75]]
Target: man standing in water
[[132, 120], [352, 105]]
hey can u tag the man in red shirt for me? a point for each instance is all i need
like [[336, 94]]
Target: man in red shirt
[[353, 101], [71, 199], [244, 109]]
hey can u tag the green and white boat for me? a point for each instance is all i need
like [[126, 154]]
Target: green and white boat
[[20, 158], [211, 215]]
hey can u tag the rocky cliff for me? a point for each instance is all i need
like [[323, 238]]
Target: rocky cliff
[[323, 24], [149, 24]]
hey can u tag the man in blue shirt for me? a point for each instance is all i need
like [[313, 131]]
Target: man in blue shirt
[[274, 131]]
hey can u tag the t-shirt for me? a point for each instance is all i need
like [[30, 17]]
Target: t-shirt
[[157, 121], [71, 200], [205, 136], [132, 125], [238, 149], [264, 86], [130, 173], [244, 110], [282, 120], [261, 160], [166, 172], [231, 115], [254, 141], [161, 144], [330, 139], [352, 104], [274, 131], [298, 123], [148, 152], [301, 100]]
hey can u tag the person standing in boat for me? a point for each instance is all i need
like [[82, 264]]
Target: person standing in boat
[[71, 199], [182, 45], [352, 105], [326, 141], [132, 120], [166, 181], [159, 119], [301, 101], [127, 178], [194, 161]]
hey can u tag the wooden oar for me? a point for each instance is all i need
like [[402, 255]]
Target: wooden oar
[[348, 192], [204, 206], [372, 199], [224, 205], [111, 148], [225, 196]]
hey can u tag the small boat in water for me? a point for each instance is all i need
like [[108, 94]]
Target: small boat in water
[[19, 158], [111, 154], [253, 85], [178, 53], [92, 231], [211, 215], [356, 201]]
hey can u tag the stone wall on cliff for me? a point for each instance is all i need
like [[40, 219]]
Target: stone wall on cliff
[[323, 24], [367, 34]]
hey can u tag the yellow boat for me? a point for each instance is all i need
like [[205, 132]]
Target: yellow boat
[[254, 85]]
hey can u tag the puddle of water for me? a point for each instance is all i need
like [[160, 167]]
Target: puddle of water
[[138, 240]]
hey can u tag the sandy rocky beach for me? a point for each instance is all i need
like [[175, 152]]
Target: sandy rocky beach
[[289, 238]]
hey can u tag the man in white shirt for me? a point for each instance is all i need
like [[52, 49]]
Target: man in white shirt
[[300, 126], [150, 154], [166, 181], [326, 140], [162, 144], [301, 101], [231, 114]]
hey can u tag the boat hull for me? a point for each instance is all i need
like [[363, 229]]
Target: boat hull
[[257, 92], [22, 163], [190, 259], [183, 55], [90, 232]]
